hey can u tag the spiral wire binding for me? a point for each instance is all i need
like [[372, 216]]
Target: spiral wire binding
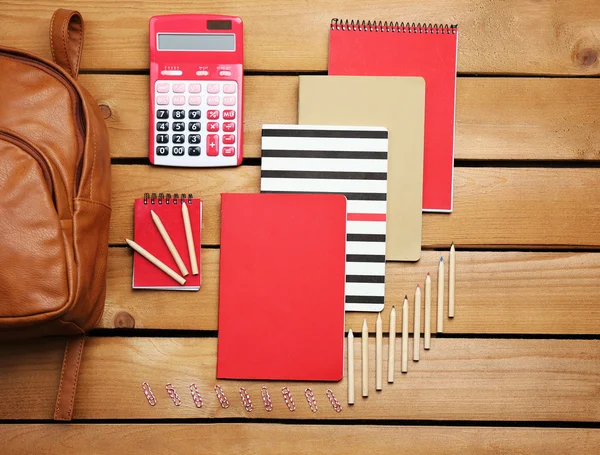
[[246, 400], [337, 406], [288, 398], [158, 199], [224, 402], [196, 396], [266, 397], [310, 399], [149, 394], [173, 394], [392, 27]]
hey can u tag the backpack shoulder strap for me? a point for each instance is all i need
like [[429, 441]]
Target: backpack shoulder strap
[[68, 378]]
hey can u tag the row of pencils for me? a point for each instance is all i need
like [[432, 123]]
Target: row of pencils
[[418, 304]]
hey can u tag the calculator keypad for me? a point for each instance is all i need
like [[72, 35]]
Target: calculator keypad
[[196, 118]]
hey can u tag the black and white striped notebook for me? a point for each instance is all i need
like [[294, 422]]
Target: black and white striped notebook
[[335, 159]]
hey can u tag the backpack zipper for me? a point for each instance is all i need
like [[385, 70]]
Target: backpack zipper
[[76, 102], [35, 154]]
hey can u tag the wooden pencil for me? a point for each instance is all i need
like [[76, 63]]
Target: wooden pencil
[[405, 335], [451, 281], [440, 297], [392, 346], [427, 336], [167, 239], [157, 262], [350, 367], [417, 325], [190, 238], [365, 359], [379, 353]]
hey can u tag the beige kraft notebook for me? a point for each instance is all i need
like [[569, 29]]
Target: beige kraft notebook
[[397, 103]]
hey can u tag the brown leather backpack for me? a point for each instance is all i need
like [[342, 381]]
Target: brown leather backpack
[[55, 199]]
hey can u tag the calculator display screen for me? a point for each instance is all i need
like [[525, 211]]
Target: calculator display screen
[[196, 42]]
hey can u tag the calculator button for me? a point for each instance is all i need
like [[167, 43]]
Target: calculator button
[[179, 100], [162, 100], [213, 88], [228, 151], [212, 114], [212, 126], [162, 138], [194, 138], [194, 88], [178, 126], [178, 139], [229, 114], [228, 138], [171, 72], [194, 151], [195, 100], [179, 114], [162, 88], [229, 88], [178, 88], [201, 73], [162, 114], [227, 100], [229, 127], [178, 151], [194, 114], [163, 150], [213, 100], [224, 73], [194, 126], [162, 126], [212, 141]]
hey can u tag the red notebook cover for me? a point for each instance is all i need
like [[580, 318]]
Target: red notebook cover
[[426, 51], [145, 274], [281, 290]]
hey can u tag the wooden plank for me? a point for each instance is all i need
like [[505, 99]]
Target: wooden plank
[[475, 379], [252, 438], [496, 118], [499, 207], [558, 37], [496, 292]]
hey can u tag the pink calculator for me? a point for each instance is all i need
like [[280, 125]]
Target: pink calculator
[[196, 81]]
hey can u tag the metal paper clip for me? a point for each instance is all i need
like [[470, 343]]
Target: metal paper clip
[[310, 399], [337, 407], [196, 396], [266, 397], [288, 398], [221, 397], [173, 394], [246, 400], [149, 394]]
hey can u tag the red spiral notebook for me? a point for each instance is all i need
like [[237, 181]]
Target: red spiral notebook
[[371, 49], [281, 289], [146, 234]]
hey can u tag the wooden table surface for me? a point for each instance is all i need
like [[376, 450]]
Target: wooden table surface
[[517, 370]]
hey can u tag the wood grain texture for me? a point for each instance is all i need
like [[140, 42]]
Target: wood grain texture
[[475, 379], [496, 118], [500, 207], [267, 439], [496, 292], [558, 37]]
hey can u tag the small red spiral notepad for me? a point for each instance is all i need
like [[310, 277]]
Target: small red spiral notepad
[[281, 289], [146, 234], [361, 48]]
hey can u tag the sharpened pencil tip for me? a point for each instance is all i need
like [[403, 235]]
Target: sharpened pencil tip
[[441, 259], [393, 307], [418, 285], [452, 244], [406, 297], [428, 274]]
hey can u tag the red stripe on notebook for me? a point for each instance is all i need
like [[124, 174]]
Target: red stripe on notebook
[[366, 217]]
